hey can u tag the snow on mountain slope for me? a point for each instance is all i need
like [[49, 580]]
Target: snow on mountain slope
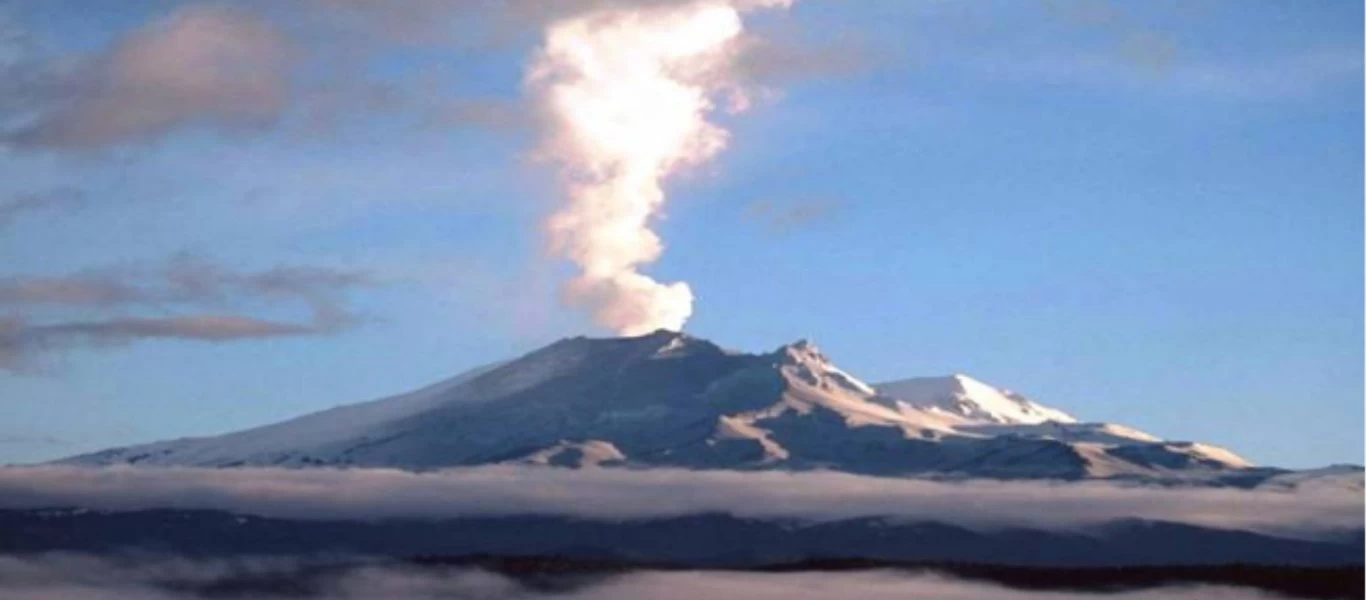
[[962, 395], [314, 429], [592, 453], [668, 399]]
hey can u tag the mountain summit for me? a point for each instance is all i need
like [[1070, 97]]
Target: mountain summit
[[669, 399]]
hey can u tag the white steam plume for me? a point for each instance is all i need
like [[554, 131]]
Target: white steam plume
[[627, 91]]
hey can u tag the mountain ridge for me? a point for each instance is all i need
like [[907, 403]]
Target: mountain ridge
[[670, 399]]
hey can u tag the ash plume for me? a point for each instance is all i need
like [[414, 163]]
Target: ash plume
[[627, 91]]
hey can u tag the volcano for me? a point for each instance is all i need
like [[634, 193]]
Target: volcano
[[668, 399]]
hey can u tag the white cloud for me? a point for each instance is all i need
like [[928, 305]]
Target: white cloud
[[621, 494]]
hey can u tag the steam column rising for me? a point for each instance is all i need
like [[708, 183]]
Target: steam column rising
[[626, 92]]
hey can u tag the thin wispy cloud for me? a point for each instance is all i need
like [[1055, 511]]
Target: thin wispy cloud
[[1277, 78], [32, 440], [1161, 50], [786, 217], [111, 306], [52, 201]]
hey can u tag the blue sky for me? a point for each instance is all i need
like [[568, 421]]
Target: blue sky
[[1146, 213]]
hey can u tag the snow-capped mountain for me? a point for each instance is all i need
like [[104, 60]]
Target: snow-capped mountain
[[668, 399]]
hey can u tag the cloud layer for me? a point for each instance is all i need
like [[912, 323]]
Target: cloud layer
[[616, 494], [112, 305], [201, 65], [81, 577]]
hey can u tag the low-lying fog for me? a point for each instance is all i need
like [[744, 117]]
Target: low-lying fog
[[622, 494], [83, 577]]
